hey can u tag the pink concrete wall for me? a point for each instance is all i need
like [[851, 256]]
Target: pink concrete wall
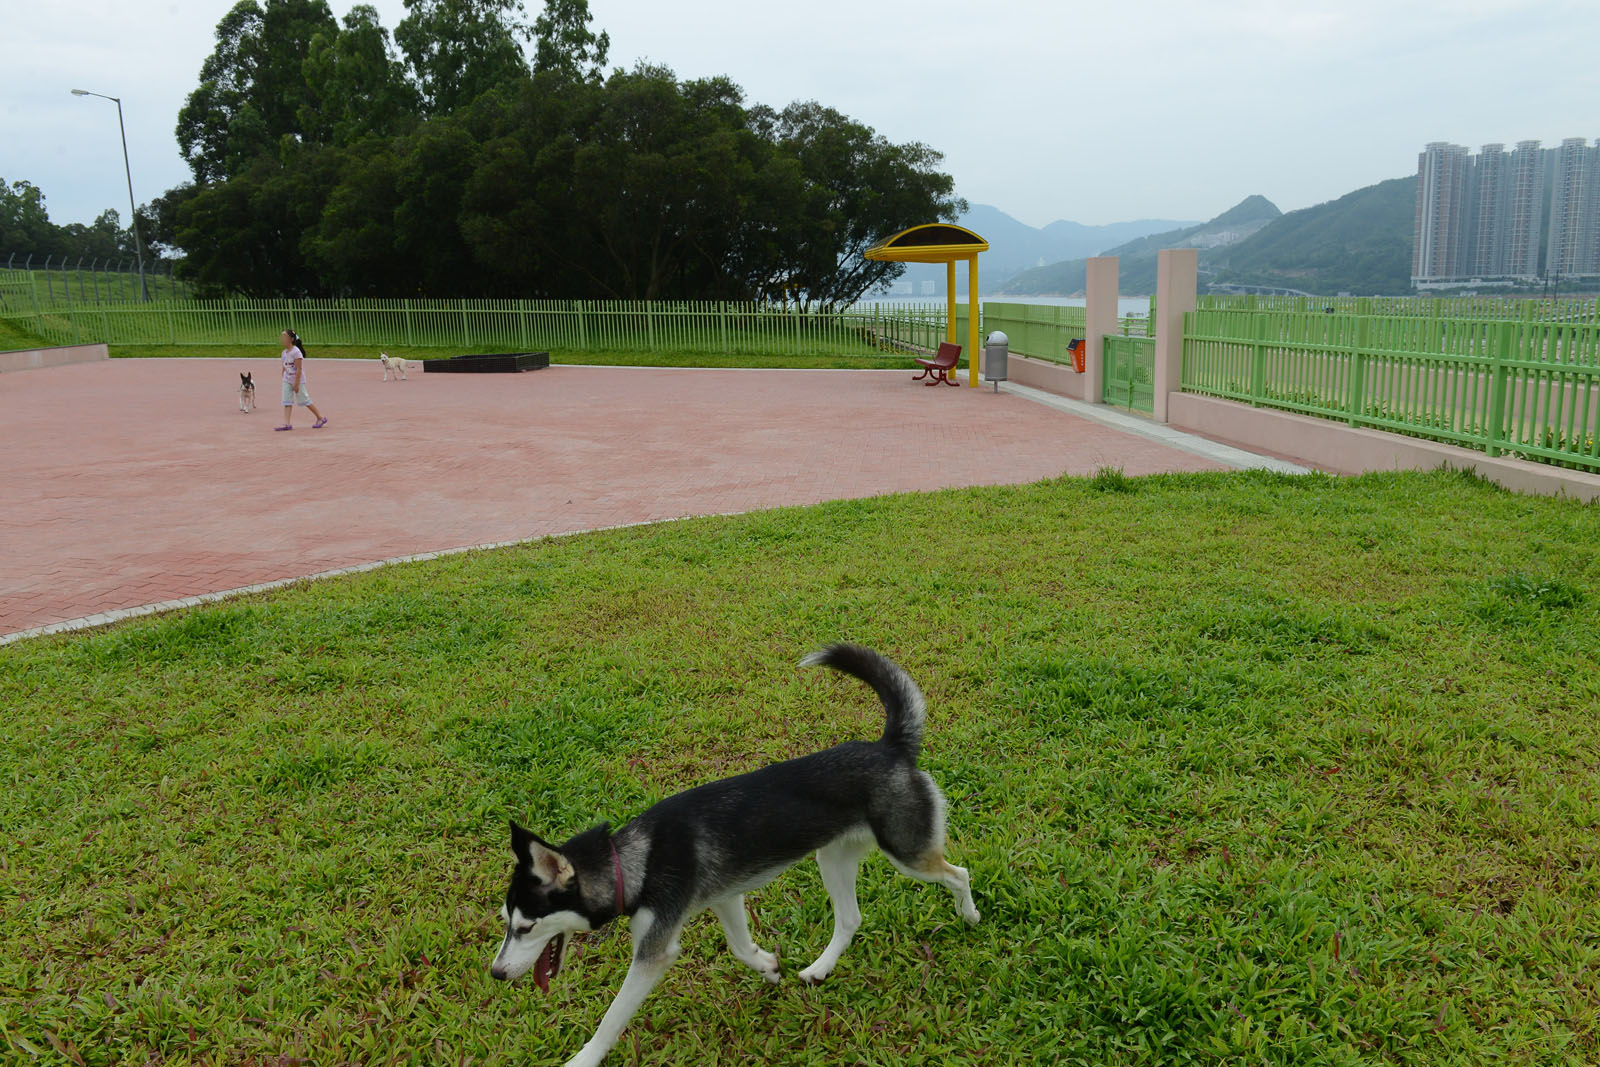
[[1345, 449], [1100, 289], [35, 358], [1043, 374], [1177, 275]]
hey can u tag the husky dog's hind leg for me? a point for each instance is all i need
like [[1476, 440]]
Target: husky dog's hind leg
[[935, 868], [913, 839], [839, 862]]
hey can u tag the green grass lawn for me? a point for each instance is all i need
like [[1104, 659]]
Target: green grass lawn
[[675, 358], [13, 337], [1246, 768]]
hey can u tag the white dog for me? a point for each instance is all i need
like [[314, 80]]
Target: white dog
[[393, 363]]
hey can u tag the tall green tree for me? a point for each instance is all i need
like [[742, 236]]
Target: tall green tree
[[25, 224], [253, 91], [219, 127], [104, 238], [286, 100], [565, 46], [520, 213], [25, 227], [158, 219], [555, 183], [460, 49], [860, 188], [353, 246], [665, 178], [357, 83], [247, 235]]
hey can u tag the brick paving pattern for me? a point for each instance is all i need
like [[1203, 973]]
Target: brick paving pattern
[[139, 481]]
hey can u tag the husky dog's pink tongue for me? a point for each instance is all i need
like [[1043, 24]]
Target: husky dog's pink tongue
[[548, 964]]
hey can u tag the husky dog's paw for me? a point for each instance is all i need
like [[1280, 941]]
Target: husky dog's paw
[[766, 965], [815, 973], [971, 917]]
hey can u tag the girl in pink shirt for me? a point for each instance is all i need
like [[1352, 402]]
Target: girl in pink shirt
[[294, 381]]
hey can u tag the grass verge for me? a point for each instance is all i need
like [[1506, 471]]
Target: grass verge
[[1246, 768], [13, 337]]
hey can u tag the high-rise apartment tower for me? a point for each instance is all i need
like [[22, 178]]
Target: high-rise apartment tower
[[1439, 252]]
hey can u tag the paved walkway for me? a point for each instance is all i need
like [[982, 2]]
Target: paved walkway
[[139, 482]]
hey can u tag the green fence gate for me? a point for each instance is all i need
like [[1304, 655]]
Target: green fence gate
[[1130, 372]]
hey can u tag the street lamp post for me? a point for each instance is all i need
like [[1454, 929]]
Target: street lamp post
[[133, 212]]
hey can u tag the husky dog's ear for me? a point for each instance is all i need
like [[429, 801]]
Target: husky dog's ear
[[521, 841], [547, 864]]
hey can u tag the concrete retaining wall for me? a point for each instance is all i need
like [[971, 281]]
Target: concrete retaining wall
[[1043, 374], [35, 358], [1345, 449]]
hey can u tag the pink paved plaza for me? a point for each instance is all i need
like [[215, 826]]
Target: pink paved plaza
[[133, 482]]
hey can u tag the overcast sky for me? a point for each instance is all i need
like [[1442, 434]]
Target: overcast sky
[[1048, 110]]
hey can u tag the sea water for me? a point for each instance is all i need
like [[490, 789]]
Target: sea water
[[1126, 305]]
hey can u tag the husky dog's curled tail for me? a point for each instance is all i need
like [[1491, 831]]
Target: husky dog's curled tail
[[903, 705]]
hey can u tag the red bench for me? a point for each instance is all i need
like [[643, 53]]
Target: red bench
[[938, 368]]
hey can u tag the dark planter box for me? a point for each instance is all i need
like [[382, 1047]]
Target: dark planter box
[[503, 363]]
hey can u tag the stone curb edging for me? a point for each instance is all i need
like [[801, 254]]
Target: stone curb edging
[[105, 618], [1170, 436]]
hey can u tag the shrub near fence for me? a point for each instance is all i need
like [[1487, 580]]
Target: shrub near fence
[[1528, 389], [524, 325]]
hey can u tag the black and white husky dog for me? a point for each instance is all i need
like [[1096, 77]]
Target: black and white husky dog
[[247, 392], [706, 847]]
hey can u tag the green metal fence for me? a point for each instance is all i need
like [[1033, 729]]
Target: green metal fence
[[1526, 309], [1038, 330], [567, 325], [74, 284], [1528, 389], [1043, 331], [1130, 368]]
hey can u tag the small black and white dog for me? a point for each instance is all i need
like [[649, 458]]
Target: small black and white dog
[[247, 392], [706, 847]]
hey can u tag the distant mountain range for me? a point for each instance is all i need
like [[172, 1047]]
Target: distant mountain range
[[1014, 246], [1137, 258], [1359, 243]]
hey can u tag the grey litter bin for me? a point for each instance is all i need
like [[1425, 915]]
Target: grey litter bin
[[996, 350]]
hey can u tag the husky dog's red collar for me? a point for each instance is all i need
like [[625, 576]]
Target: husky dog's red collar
[[616, 867]]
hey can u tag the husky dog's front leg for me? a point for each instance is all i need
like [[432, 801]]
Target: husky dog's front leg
[[654, 950]]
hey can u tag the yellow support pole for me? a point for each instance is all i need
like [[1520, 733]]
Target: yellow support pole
[[950, 302], [972, 320]]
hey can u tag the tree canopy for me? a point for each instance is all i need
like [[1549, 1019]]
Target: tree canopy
[[25, 227], [253, 87], [460, 49], [328, 160]]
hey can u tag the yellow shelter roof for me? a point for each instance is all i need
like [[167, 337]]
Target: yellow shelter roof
[[932, 242]]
